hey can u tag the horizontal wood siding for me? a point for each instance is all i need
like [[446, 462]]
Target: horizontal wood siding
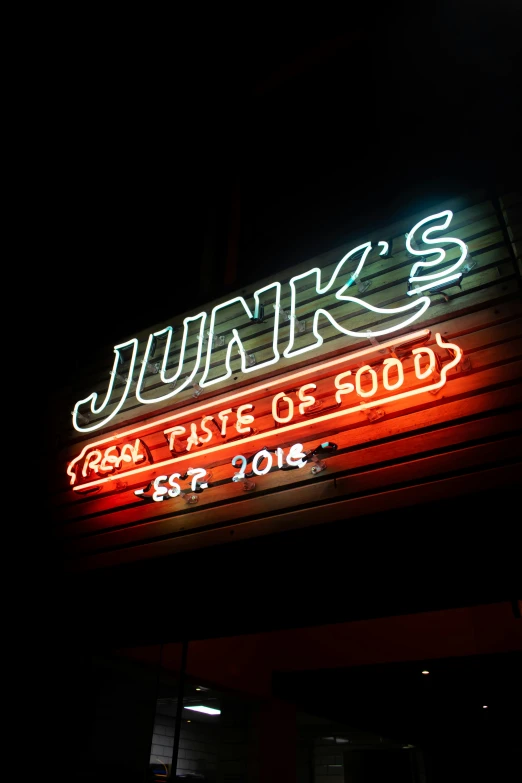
[[464, 437]]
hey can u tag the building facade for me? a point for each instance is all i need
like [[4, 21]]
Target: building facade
[[309, 480]]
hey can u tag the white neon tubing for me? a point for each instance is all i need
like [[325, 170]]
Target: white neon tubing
[[91, 464], [422, 302], [236, 340], [387, 365], [130, 453], [296, 457], [264, 454], [223, 417], [375, 384], [417, 353], [109, 461], [159, 492], [385, 248], [263, 387], [241, 474], [244, 419], [317, 420], [168, 331], [447, 216], [320, 290], [193, 438], [419, 288], [92, 398], [306, 399], [206, 429], [290, 351]]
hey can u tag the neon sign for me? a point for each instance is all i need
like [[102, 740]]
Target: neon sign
[[113, 458], [356, 382], [164, 486], [173, 489], [445, 274], [296, 458], [90, 413]]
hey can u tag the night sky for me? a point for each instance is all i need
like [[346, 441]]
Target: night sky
[[323, 128]]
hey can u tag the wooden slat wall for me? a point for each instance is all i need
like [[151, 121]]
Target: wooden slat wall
[[466, 436]]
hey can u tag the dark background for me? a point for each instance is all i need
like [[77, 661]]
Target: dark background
[[179, 160]]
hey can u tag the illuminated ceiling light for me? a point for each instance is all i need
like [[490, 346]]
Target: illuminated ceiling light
[[206, 710], [117, 376], [484, 706], [425, 671]]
